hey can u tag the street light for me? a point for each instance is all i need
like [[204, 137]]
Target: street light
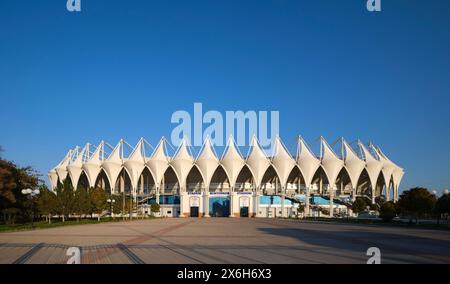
[[30, 193], [111, 202]]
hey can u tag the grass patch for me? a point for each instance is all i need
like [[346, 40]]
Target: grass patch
[[58, 223]]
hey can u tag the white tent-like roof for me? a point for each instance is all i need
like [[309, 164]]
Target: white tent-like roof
[[307, 161], [282, 161], [388, 166], [61, 168], [331, 163], [397, 177], [353, 164], [93, 166], [373, 166], [232, 161], [113, 165], [257, 161], [159, 162], [53, 177], [135, 163], [182, 162], [207, 161], [75, 167]]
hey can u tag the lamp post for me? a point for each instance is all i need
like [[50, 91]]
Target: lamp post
[[111, 201], [30, 194]]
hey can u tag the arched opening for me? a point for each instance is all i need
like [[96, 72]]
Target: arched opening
[[343, 183], [103, 182], [146, 184], [219, 204], [245, 181], [380, 187], [169, 183], [295, 183], [219, 181], [194, 181], [123, 183], [83, 181], [364, 187], [320, 184], [270, 184], [392, 191]]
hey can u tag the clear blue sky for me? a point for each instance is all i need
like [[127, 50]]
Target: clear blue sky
[[121, 68]]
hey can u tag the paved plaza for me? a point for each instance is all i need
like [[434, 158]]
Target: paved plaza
[[224, 241]]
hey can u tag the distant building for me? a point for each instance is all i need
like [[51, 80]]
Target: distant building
[[234, 185]]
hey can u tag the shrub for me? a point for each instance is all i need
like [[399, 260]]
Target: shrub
[[387, 212]]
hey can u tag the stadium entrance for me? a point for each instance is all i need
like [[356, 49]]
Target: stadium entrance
[[219, 206]]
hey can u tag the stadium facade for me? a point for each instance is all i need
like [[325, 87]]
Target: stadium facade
[[233, 185]]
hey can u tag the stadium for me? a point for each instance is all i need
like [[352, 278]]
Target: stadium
[[234, 185]]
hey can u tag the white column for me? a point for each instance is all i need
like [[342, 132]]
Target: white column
[[182, 199], [231, 203], [331, 189], [308, 192], [282, 202], [206, 203]]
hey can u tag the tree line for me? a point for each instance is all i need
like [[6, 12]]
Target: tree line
[[414, 203]]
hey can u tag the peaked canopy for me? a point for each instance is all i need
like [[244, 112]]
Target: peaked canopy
[[207, 161], [159, 162], [331, 163], [388, 166], [257, 161], [307, 161], [53, 177], [113, 165], [135, 163], [75, 167], [353, 164], [182, 162], [93, 166], [61, 168], [373, 166], [282, 161], [232, 161]]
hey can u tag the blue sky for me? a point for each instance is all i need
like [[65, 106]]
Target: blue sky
[[121, 68]]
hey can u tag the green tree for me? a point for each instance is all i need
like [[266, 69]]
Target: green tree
[[359, 205], [416, 202], [46, 203], [64, 199], [154, 208], [82, 202], [98, 201], [442, 206], [387, 211]]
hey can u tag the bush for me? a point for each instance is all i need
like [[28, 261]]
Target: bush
[[155, 208], [359, 205], [387, 212]]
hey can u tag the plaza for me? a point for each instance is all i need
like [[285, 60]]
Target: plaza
[[225, 241]]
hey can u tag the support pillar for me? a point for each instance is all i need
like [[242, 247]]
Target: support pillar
[[282, 203], [206, 203], [231, 204], [308, 192], [331, 201]]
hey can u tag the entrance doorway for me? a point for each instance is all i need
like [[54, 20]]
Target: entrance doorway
[[219, 206], [194, 211], [244, 212]]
